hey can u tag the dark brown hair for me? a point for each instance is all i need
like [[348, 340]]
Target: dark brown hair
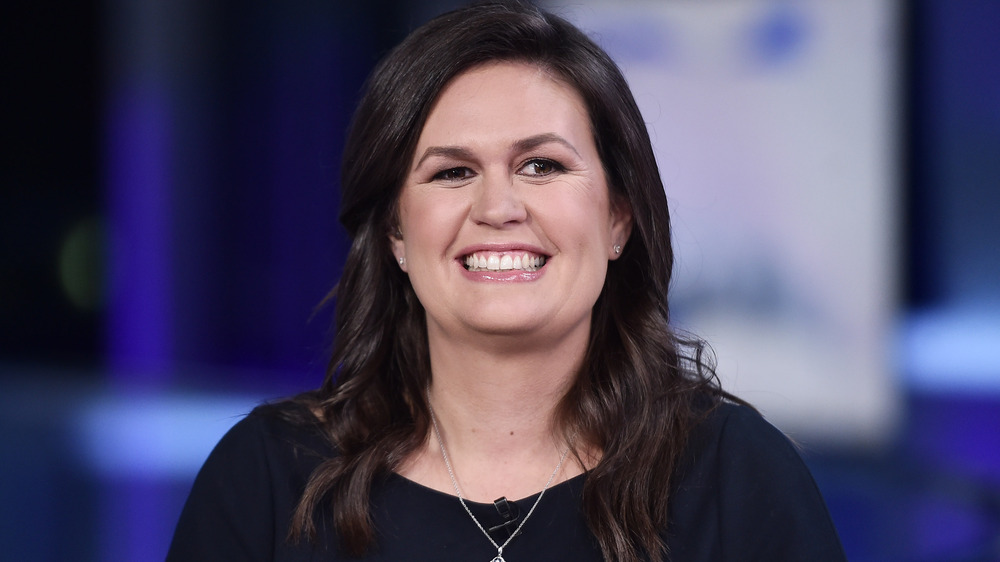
[[642, 385]]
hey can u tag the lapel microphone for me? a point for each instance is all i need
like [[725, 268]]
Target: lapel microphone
[[510, 512]]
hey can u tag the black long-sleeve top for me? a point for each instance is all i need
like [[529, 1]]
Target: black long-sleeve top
[[743, 493]]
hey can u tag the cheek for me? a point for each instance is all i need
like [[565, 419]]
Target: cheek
[[430, 220], [585, 216]]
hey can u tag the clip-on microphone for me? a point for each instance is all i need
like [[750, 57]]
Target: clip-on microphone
[[510, 513]]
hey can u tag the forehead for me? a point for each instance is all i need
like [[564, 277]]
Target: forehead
[[517, 97]]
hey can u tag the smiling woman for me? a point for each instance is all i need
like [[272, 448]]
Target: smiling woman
[[508, 172], [503, 332]]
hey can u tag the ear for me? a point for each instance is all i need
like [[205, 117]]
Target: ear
[[398, 248], [621, 225]]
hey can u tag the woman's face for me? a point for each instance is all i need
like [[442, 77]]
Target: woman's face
[[505, 218]]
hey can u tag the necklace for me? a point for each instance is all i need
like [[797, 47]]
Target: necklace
[[458, 491]]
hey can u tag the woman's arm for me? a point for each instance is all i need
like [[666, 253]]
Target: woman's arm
[[229, 514]]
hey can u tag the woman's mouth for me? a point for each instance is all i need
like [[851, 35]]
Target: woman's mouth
[[503, 261]]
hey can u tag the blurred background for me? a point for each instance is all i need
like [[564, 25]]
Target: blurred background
[[168, 203]]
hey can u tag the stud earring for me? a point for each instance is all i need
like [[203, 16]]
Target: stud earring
[[618, 248], [402, 261]]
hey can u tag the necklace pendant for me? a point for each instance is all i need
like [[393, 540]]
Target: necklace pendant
[[498, 558]]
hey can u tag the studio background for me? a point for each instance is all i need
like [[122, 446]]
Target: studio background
[[168, 204]]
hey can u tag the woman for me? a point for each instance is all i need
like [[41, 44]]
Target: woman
[[502, 332]]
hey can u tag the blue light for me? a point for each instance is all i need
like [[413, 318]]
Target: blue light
[[155, 437], [954, 348]]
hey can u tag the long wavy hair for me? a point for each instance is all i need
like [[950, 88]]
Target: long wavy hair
[[642, 385]]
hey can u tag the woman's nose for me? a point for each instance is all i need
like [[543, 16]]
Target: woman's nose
[[497, 201]]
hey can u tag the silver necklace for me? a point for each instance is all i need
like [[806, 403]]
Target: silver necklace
[[458, 491]]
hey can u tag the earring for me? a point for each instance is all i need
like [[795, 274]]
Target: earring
[[618, 248], [402, 261]]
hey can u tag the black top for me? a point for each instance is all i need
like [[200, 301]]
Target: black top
[[744, 494]]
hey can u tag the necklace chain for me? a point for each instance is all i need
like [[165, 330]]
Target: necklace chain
[[458, 490]]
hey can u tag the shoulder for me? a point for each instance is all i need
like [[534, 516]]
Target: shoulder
[[733, 445], [273, 438], [743, 491], [733, 431], [245, 493], [285, 426]]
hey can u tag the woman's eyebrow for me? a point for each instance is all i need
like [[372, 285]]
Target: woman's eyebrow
[[535, 141], [522, 145], [456, 152]]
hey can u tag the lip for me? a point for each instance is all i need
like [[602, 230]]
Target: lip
[[502, 247], [509, 276]]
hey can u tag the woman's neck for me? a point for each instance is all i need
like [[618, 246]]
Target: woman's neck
[[496, 406]]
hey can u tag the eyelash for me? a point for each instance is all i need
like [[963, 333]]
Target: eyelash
[[556, 167], [446, 175], [449, 173]]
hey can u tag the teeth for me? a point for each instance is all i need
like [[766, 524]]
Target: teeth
[[504, 262]]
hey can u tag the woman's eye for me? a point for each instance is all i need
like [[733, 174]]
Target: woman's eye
[[540, 167], [453, 174]]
